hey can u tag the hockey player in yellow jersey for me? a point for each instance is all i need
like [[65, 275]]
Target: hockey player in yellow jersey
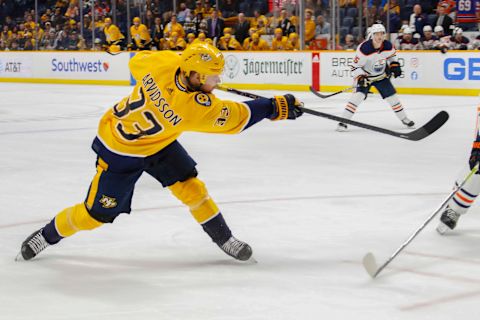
[[257, 44], [113, 37], [279, 41], [141, 39], [139, 134]]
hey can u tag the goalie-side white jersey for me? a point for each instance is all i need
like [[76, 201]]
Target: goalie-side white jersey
[[370, 61]]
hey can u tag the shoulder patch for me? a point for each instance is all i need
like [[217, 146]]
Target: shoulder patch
[[203, 99]]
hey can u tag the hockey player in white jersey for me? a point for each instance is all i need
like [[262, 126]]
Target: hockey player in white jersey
[[464, 198], [375, 61]]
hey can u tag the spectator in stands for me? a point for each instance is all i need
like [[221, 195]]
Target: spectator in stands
[[285, 23], [189, 25], [458, 41], [241, 28], [322, 28], [72, 41], [449, 7], [174, 26], [72, 11], [208, 9], [183, 12], [199, 8], [417, 19], [157, 32], [310, 26], [347, 3], [429, 40], [229, 8], [393, 11], [29, 43], [257, 43], [408, 42], [274, 21], [476, 43], [279, 41], [256, 18], [443, 19], [349, 43], [261, 28], [200, 24], [58, 18], [215, 26], [48, 41]]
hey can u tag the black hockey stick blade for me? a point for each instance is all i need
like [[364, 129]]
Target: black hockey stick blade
[[430, 127], [324, 96]]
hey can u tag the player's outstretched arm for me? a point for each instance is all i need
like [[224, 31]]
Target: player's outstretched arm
[[277, 108]]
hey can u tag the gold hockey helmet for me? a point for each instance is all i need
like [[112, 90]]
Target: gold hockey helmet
[[203, 58]]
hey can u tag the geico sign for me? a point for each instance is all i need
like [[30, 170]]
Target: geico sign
[[460, 69]]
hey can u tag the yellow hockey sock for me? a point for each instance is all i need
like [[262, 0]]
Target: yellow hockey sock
[[74, 219], [194, 194]]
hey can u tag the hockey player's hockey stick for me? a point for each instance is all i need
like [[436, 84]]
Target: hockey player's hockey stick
[[430, 127], [324, 96], [369, 259]]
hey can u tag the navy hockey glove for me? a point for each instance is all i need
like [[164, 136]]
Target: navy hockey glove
[[475, 155], [394, 68], [285, 107]]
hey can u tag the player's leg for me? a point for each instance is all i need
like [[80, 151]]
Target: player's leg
[[460, 203], [355, 99], [110, 194], [175, 169], [389, 94]]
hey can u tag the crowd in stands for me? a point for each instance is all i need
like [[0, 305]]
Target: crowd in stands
[[235, 25]]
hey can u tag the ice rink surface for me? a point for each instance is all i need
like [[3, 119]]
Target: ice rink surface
[[309, 200]]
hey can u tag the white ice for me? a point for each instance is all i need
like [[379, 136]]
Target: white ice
[[309, 200]]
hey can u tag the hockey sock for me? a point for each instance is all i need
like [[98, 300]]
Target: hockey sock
[[396, 106], [465, 197], [194, 194], [68, 222], [353, 104], [217, 229]]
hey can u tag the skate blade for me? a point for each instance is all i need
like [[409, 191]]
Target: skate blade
[[19, 257], [442, 228]]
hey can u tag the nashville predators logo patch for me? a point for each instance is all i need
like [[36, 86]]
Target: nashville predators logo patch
[[203, 99], [108, 202]]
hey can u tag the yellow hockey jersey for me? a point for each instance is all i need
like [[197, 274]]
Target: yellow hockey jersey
[[140, 34], [113, 34], [160, 108]]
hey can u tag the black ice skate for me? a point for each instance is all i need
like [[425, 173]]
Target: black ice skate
[[448, 220], [33, 245], [342, 127], [237, 249], [409, 123]]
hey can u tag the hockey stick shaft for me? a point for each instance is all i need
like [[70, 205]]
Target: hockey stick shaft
[[434, 124], [324, 96], [427, 221]]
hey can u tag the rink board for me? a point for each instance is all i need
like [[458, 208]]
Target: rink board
[[424, 72]]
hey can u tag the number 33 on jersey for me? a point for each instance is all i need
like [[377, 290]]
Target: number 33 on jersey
[[160, 108]]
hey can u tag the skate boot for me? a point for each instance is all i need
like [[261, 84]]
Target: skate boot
[[237, 249], [448, 220], [33, 245], [342, 127], [409, 123]]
